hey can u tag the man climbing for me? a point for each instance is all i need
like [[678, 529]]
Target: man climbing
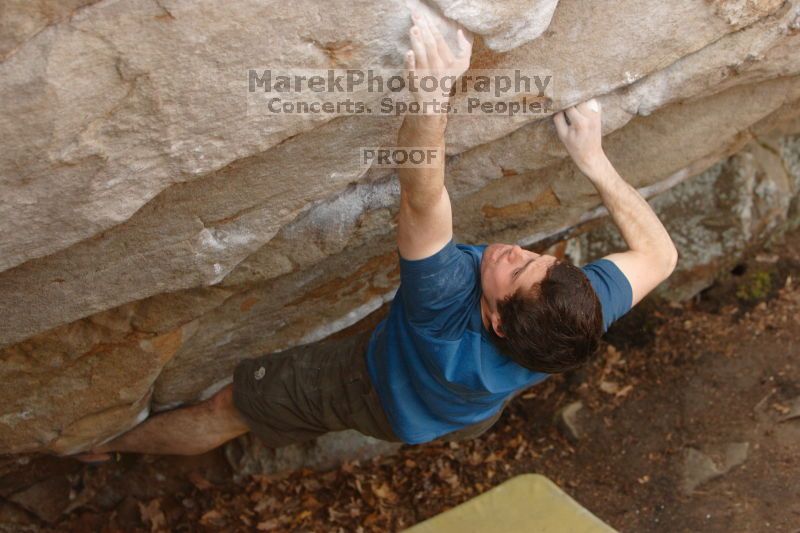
[[470, 326]]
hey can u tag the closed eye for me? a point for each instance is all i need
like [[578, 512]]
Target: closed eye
[[519, 270]]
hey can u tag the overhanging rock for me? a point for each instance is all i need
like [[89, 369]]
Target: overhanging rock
[[153, 233]]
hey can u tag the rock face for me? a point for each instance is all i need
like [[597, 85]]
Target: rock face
[[718, 215], [153, 232], [699, 468]]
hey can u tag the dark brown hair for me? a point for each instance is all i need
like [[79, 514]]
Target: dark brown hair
[[553, 326]]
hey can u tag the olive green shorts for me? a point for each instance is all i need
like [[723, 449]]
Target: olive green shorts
[[302, 393]]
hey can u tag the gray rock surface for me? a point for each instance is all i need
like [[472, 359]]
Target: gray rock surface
[[153, 232], [699, 468], [247, 455], [568, 422], [503, 25]]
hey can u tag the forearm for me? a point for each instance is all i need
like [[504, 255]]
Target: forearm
[[422, 185], [640, 227]]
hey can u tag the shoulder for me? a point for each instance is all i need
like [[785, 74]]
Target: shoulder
[[450, 255], [439, 291], [442, 257], [604, 272], [612, 288], [474, 252]]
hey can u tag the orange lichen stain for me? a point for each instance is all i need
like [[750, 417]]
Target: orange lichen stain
[[167, 345], [103, 348], [546, 199], [338, 52], [166, 15], [394, 273], [558, 250], [106, 347], [248, 303], [359, 280], [508, 172]]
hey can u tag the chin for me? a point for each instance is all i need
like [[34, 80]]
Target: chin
[[492, 249]]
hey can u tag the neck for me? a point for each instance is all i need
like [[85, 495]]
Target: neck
[[485, 313]]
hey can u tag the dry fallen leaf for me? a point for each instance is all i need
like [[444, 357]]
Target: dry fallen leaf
[[384, 492], [613, 356], [268, 503], [212, 518], [475, 459], [199, 481], [447, 475], [609, 387], [267, 525], [152, 514], [624, 391], [782, 409]]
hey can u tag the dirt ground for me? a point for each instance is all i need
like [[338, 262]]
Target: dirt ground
[[690, 421]]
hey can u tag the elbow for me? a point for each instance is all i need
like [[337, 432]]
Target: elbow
[[422, 201], [670, 260], [660, 261]]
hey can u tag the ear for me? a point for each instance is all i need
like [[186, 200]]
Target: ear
[[497, 326]]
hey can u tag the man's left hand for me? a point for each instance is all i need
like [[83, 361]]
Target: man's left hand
[[431, 56]]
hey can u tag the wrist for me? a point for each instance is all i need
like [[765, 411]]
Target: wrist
[[422, 130], [596, 166], [435, 122]]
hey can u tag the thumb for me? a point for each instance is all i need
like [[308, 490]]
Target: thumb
[[464, 44]]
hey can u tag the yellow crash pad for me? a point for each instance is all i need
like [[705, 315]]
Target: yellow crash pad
[[529, 503]]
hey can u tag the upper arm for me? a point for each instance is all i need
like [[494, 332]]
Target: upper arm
[[425, 228], [644, 271], [435, 292]]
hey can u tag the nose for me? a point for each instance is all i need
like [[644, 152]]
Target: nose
[[515, 253]]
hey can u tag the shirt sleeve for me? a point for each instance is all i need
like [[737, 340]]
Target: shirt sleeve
[[437, 291], [612, 288]]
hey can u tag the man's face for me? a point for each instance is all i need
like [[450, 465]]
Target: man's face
[[508, 267]]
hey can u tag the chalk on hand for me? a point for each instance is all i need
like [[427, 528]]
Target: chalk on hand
[[594, 105]]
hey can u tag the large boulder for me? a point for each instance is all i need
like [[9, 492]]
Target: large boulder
[[153, 232]]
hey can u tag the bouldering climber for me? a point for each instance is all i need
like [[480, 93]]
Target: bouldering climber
[[470, 325]]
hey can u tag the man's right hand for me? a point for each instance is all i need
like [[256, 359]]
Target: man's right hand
[[651, 257], [579, 128]]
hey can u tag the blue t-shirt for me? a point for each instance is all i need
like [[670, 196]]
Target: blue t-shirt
[[432, 361]]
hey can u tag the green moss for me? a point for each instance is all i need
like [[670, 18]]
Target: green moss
[[755, 286]]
